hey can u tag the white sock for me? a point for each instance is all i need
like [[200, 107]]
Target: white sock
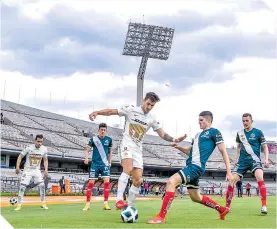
[[21, 194], [122, 183], [42, 193], [133, 192]]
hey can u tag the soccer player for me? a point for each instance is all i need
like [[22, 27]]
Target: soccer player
[[202, 147], [34, 154], [138, 120], [249, 143], [248, 187], [100, 164]]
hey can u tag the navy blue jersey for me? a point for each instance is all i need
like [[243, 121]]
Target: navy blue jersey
[[100, 150], [203, 145]]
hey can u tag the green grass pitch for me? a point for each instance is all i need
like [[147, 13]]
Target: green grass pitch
[[245, 213]]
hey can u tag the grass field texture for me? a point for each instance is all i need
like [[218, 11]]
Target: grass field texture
[[245, 213]]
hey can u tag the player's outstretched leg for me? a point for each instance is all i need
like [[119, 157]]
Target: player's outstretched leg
[[89, 192], [42, 195], [106, 195], [168, 199], [207, 201], [22, 188]]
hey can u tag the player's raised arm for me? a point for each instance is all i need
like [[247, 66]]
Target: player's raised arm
[[165, 136], [185, 150], [105, 112]]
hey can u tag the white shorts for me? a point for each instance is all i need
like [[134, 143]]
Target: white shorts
[[127, 151], [28, 174]]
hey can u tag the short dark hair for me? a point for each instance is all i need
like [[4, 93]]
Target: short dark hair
[[40, 136], [152, 96], [101, 125], [247, 115], [207, 114]]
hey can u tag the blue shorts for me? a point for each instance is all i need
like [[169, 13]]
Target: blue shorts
[[96, 170], [244, 165], [190, 176]]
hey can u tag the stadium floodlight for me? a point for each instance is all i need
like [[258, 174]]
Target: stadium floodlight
[[147, 41]]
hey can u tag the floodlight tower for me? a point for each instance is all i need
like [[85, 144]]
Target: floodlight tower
[[147, 41]]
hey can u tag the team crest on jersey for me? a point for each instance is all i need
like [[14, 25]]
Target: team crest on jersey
[[206, 134], [106, 142], [252, 136]]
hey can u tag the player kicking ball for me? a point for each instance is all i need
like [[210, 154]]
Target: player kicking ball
[[249, 142], [34, 154], [138, 120], [100, 163], [202, 147]]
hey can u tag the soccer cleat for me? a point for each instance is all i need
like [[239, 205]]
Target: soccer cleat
[[223, 213], [18, 208], [43, 205], [228, 209], [107, 207], [121, 204], [87, 206], [264, 210], [157, 220]]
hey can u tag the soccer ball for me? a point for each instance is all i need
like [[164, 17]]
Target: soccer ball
[[13, 200], [129, 215]]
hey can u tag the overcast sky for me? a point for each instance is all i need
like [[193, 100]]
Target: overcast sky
[[66, 57]]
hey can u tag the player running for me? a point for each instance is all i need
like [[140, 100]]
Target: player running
[[138, 120], [202, 147], [100, 164], [34, 154], [249, 143]]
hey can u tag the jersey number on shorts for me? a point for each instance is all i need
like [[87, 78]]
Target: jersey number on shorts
[[136, 131]]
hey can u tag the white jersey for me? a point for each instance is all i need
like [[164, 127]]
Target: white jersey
[[34, 156], [137, 123]]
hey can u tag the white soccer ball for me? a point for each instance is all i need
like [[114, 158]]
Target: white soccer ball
[[13, 200], [129, 215]]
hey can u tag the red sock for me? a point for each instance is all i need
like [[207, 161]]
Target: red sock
[[89, 191], [262, 188], [229, 195], [207, 201], [168, 199], [106, 191]]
